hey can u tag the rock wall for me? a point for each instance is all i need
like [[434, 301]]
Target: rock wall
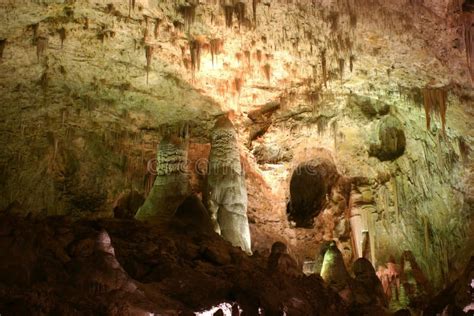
[[85, 85]]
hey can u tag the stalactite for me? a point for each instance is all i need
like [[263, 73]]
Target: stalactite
[[238, 84], [3, 43], [324, 68], [334, 129], [434, 100], [254, 11], [469, 40], [216, 47], [157, 27], [353, 19], [44, 80], [131, 6], [313, 96], [464, 149], [267, 70], [239, 8], [351, 62], [105, 34], [238, 56], [259, 55], [333, 19], [62, 35], [110, 8], [322, 123], [34, 27], [178, 25], [395, 199], [341, 67], [228, 12], [41, 46], [371, 229], [195, 51], [149, 56], [188, 12], [247, 57]]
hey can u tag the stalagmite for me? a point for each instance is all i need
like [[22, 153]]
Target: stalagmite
[[367, 286], [171, 185], [334, 271], [227, 193], [280, 261]]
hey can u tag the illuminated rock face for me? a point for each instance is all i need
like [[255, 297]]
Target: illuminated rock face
[[227, 193], [86, 83], [171, 185]]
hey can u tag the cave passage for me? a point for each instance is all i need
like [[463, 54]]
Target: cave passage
[[310, 182]]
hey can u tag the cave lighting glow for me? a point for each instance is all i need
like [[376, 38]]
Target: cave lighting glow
[[470, 307], [225, 307]]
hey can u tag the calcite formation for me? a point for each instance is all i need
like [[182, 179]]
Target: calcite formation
[[367, 286], [280, 261], [385, 86], [227, 193], [171, 185], [334, 271]]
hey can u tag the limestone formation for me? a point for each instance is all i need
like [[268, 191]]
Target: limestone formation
[[334, 271], [318, 265], [280, 261], [367, 287], [392, 140], [227, 193], [171, 185]]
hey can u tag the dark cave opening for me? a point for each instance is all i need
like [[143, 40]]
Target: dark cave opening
[[310, 183]]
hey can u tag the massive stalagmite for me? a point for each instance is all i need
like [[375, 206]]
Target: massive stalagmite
[[227, 194], [171, 185]]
